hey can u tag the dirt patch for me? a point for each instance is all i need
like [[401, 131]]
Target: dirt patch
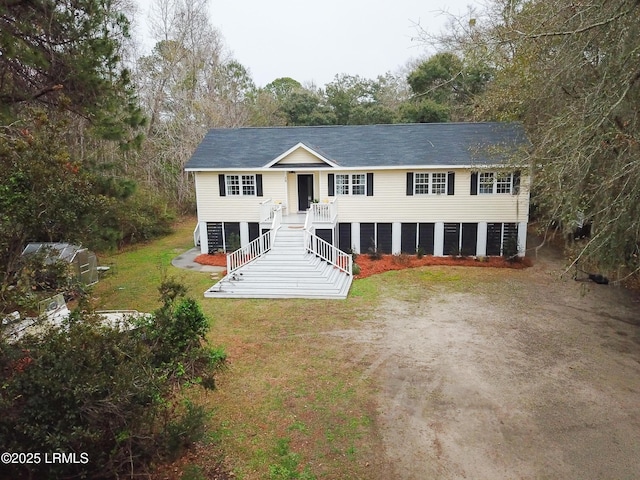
[[481, 373], [512, 374]]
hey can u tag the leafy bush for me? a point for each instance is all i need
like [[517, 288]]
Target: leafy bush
[[178, 327], [186, 429], [112, 395], [140, 216]]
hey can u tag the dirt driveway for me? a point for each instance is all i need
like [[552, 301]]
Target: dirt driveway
[[516, 375]]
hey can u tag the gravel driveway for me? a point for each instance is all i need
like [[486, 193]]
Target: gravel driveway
[[508, 375]]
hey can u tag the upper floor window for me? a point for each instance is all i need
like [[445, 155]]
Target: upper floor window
[[430, 183], [495, 182], [354, 184], [486, 182], [241, 184]]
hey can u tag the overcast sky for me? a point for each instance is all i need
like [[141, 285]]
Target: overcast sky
[[314, 41]]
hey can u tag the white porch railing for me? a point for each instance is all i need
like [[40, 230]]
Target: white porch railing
[[334, 256], [256, 248], [325, 250], [196, 235], [324, 212], [268, 209]]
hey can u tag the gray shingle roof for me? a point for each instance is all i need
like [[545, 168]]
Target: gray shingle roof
[[418, 144]]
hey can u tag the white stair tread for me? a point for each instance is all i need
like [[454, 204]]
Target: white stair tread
[[286, 271]]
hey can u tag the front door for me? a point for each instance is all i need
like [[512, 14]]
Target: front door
[[305, 192]]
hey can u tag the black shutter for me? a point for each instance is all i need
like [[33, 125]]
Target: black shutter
[[254, 231], [494, 238], [426, 233], [451, 180], [516, 183], [369, 184], [408, 238], [332, 184], [231, 230], [367, 237], [469, 238], [451, 239], [384, 237], [344, 237], [409, 183], [214, 237], [325, 234], [474, 183], [221, 182], [259, 185]]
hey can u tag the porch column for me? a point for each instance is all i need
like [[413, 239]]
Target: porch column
[[355, 237], [204, 239], [244, 234], [522, 238], [481, 246], [438, 239], [396, 238]]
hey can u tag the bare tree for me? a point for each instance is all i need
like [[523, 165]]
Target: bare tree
[[570, 72], [187, 84]]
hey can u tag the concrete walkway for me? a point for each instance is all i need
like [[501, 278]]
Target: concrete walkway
[[187, 261]]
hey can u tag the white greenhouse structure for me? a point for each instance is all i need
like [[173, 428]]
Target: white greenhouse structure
[[83, 263]]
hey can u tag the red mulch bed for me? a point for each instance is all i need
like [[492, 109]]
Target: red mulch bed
[[370, 267], [217, 260]]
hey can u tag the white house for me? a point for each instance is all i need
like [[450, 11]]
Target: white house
[[443, 189]]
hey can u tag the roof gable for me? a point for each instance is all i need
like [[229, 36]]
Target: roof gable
[[300, 155], [359, 146]]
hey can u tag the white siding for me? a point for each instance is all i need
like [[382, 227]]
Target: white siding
[[232, 208], [300, 155], [291, 200], [390, 203]]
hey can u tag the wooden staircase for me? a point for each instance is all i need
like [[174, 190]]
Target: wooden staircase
[[286, 271]]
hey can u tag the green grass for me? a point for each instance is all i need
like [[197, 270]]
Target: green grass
[[293, 402], [136, 273]]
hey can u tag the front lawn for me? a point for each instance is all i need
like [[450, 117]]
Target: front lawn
[[291, 405]]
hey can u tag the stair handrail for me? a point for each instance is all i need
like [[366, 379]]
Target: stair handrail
[[257, 247], [327, 252], [308, 220], [196, 235], [266, 210]]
